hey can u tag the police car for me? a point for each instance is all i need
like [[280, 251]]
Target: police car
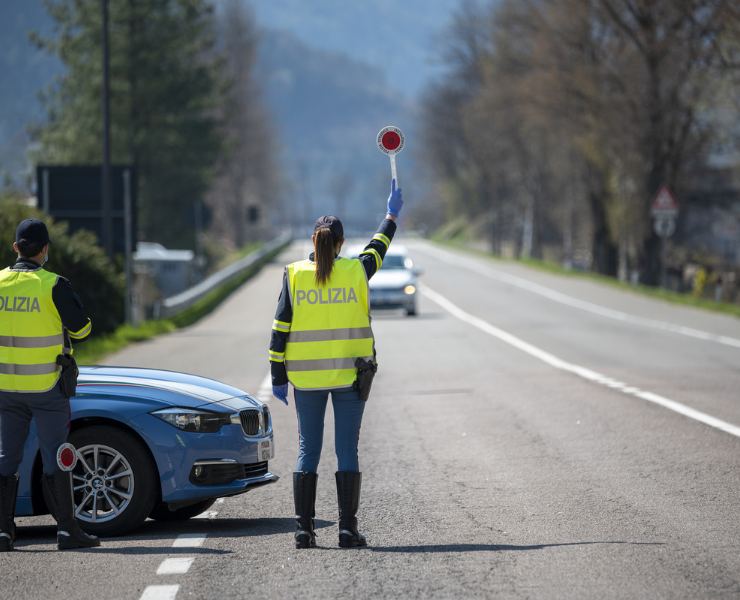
[[396, 284], [157, 444]]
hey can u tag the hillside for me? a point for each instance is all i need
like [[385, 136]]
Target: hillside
[[398, 38], [328, 110], [326, 105]]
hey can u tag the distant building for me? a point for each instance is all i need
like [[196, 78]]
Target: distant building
[[171, 271]]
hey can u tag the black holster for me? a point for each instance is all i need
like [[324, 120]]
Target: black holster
[[70, 373], [366, 370]]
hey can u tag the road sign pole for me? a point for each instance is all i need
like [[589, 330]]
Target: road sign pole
[[107, 230], [128, 234]]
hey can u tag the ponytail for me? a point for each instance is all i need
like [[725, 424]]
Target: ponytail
[[324, 249]]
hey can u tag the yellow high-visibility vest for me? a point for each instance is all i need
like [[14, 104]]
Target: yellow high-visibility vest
[[330, 327], [31, 331]]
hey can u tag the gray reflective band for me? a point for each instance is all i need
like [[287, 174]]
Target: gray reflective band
[[331, 335], [322, 364], [11, 369], [43, 341]]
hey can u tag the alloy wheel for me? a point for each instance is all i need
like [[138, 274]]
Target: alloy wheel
[[103, 483]]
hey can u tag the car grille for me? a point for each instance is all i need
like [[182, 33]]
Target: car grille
[[250, 419], [220, 474]]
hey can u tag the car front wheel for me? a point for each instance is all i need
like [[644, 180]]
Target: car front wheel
[[114, 482]]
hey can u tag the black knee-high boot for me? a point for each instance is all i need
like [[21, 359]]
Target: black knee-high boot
[[8, 493], [348, 498], [58, 489], [304, 496]]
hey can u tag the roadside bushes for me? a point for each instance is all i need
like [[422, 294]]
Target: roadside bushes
[[96, 279]]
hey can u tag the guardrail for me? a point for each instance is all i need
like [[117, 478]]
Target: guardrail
[[173, 305]]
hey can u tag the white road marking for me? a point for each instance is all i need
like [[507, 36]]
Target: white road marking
[[175, 566], [160, 592], [590, 307], [209, 514], [265, 392], [189, 540], [578, 370]]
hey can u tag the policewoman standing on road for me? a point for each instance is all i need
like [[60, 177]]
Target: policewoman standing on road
[[39, 315], [322, 343]]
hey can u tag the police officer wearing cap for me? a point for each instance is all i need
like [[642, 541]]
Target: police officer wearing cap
[[322, 343], [39, 316]]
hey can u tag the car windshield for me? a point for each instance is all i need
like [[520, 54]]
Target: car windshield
[[394, 261]]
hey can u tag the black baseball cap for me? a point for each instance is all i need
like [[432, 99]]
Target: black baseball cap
[[32, 231], [333, 224]]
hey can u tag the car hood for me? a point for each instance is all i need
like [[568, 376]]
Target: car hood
[[168, 387], [392, 279]]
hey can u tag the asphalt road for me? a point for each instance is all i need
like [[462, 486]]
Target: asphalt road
[[528, 436]]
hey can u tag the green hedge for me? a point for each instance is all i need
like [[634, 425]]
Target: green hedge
[[77, 257]]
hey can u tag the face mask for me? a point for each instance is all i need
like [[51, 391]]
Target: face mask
[[45, 259]]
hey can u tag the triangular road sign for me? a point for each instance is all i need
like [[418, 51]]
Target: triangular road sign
[[664, 203]]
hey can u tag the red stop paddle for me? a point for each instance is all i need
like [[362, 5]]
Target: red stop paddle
[[390, 142]]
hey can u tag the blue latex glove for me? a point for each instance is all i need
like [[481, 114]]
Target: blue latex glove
[[281, 393], [395, 200]]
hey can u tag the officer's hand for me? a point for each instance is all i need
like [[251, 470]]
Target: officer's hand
[[395, 200], [281, 393]]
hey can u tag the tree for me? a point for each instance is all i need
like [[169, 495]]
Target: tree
[[579, 106], [665, 57], [246, 174], [165, 91]]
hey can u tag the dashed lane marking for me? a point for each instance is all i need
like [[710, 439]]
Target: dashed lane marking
[[176, 566], [209, 514], [583, 305], [160, 592], [578, 370], [265, 392], [189, 540]]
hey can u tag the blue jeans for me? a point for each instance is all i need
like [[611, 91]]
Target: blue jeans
[[310, 408]]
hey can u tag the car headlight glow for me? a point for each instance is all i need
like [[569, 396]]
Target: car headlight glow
[[197, 421], [409, 289]]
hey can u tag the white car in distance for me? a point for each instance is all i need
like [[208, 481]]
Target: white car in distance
[[395, 285]]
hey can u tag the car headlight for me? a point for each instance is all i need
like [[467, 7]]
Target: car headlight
[[197, 421], [409, 289]]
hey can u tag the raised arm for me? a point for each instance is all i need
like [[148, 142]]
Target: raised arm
[[374, 253]]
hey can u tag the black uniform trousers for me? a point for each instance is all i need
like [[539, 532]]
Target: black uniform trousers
[[50, 411]]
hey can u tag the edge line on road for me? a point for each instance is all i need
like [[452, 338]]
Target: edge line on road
[[583, 305], [578, 370]]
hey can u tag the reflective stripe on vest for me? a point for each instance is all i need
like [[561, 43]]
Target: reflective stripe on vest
[[31, 331], [330, 329]]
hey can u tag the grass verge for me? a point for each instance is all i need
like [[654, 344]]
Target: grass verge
[[641, 290], [93, 350]]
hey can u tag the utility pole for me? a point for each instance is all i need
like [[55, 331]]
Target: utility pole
[[107, 230]]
